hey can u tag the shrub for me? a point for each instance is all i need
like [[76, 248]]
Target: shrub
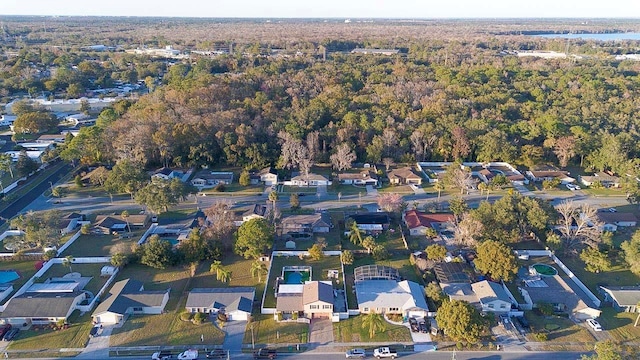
[[199, 318], [219, 188], [279, 316], [294, 315], [185, 316], [540, 336]]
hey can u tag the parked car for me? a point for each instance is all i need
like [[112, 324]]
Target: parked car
[[355, 354], [217, 354], [265, 353], [11, 334], [384, 352], [594, 325], [612, 210], [423, 327], [4, 329], [94, 331], [161, 355], [413, 324], [572, 187]]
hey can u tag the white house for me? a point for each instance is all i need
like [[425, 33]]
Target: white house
[[362, 178], [235, 302], [611, 221], [623, 298], [539, 176], [268, 176], [206, 179], [492, 296], [391, 297], [128, 297], [310, 180]]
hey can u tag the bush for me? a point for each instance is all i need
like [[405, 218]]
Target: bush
[[199, 318], [219, 188], [185, 316], [279, 316], [294, 315], [540, 336]]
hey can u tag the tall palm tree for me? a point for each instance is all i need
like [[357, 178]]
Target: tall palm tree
[[223, 275], [355, 234], [216, 265], [369, 243], [439, 186], [375, 323], [125, 216], [258, 268], [273, 197], [6, 163], [67, 262]]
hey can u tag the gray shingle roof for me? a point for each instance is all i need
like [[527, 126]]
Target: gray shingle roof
[[624, 295], [126, 294], [317, 291], [232, 299], [40, 305], [488, 291], [289, 302]]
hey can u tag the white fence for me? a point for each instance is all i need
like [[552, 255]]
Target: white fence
[[13, 185], [149, 231], [96, 297], [11, 233], [69, 242]]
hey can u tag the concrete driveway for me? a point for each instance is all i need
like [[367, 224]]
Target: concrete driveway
[[320, 332], [234, 331]]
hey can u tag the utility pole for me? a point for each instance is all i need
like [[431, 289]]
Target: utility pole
[[253, 341]]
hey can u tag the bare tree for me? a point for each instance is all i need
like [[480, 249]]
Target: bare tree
[[313, 144], [219, 223], [458, 177], [467, 230], [343, 157], [390, 140], [289, 151], [461, 147], [564, 148], [579, 226], [388, 162], [390, 201]]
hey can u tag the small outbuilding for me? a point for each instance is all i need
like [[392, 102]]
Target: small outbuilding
[[108, 270]]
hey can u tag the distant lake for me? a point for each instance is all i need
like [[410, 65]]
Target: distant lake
[[602, 37]]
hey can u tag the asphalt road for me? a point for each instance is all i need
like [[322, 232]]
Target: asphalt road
[[29, 197]]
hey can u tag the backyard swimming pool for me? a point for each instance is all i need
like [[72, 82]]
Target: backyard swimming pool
[[545, 270], [7, 276], [296, 275]]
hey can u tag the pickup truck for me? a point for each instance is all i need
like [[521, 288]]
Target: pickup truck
[[384, 352], [265, 353]]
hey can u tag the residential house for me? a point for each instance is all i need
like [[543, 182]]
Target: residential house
[[556, 291], [259, 211], [235, 302], [461, 292], [306, 224], [362, 178], [70, 222], [542, 175], [418, 222], [55, 138], [268, 176], [623, 298], [314, 299], [391, 297], [605, 179], [166, 173], [128, 297], [368, 51], [611, 221], [485, 175], [492, 296], [404, 176], [41, 308], [209, 179], [371, 223], [107, 224], [7, 120], [310, 180], [453, 272]]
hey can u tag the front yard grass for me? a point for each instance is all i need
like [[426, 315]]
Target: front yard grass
[[99, 244], [620, 325], [558, 329], [86, 270], [266, 330], [351, 330], [76, 336], [318, 272], [619, 275]]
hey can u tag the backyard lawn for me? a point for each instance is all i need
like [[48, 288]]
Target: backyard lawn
[[619, 275], [319, 272], [86, 270], [99, 245], [76, 336], [351, 330], [558, 329], [268, 331]]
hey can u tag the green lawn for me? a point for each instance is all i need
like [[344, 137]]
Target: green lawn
[[236, 189], [351, 330], [558, 329], [25, 269], [603, 192], [398, 189], [99, 245], [87, 270], [285, 189], [76, 336], [620, 324], [347, 189], [266, 330], [619, 275], [319, 272], [179, 214]]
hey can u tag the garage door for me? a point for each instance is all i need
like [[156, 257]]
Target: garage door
[[320, 316]]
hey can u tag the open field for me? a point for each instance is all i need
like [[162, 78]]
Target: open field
[[99, 244], [319, 272], [268, 331], [351, 330], [76, 336]]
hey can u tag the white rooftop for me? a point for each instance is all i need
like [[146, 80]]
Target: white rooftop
[[389, 293], [290, 288]]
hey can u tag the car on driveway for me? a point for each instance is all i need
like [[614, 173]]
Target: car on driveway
[[423, 327], [594, 324], [4, 329], [11, 334], [413, 324], [355, 354], [612, 210]]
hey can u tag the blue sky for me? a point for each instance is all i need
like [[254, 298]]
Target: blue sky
[[328, 8]]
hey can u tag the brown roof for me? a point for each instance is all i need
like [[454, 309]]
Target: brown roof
[[405, 173], [365, 175], [415, 218], [317, 291], [609, 217], [289, 302], [546, 174]]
